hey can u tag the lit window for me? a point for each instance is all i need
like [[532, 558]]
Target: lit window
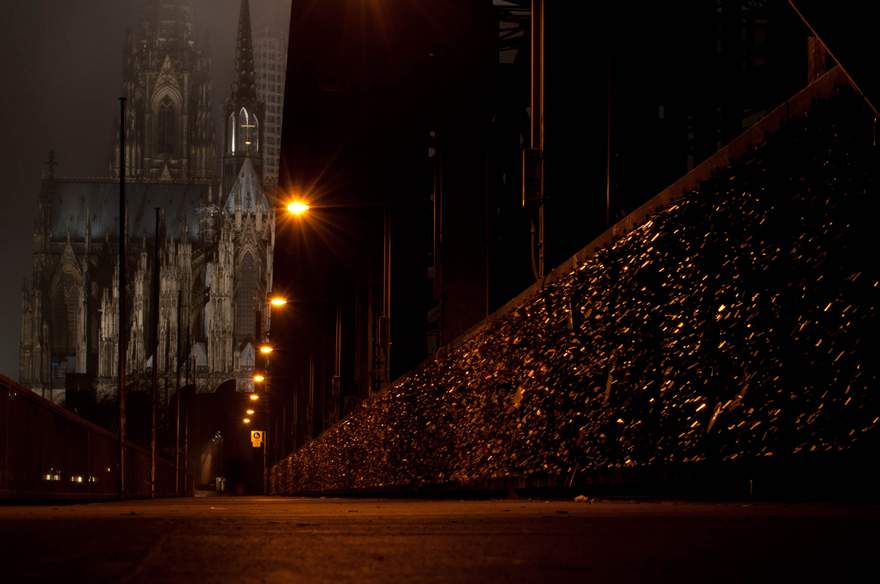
[[244, 132]]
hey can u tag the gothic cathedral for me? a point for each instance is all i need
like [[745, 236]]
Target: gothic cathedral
[[216, 237]]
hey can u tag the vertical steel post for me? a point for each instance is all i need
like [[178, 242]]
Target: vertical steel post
[[186, 449], [385, 322], [121, 332], [537, 115], [438, 234], [337, 365], [608, 152], [265, 466], [310, 403], [266, 422], [177, 396], [154, 405]]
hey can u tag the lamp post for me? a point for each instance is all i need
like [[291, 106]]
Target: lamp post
[[299, 208], [122, 328], [264, 413], [177, 396], [265, 349], [533, 156], [181, 422], [154, 395], [336, 382], [385, 318]]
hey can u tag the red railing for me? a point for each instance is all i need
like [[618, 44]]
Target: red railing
[[47, 452]]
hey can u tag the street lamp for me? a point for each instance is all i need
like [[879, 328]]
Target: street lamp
[[278, 301], [254, 396], [249, 412], [298, 208], [246, 421]]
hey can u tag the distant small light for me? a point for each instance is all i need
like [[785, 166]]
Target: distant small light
[[250, 412], [246, 420], [259, 378], [254, 397], [266, 349]]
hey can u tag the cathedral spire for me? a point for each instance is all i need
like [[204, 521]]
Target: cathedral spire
[[244, 88], [244, 110]]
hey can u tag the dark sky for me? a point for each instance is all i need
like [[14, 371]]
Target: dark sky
[[63, 69]]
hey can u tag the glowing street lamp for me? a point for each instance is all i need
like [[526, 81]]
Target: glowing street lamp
[[297, 208], [259, 378], [250, 412], [246, 420], [254, 397], [266, 349], [278, 301]]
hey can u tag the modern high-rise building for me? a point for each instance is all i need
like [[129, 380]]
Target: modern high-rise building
[[270, 63]]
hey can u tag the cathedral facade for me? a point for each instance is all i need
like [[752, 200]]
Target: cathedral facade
[[215, 241]]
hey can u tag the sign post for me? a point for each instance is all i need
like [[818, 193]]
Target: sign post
[[258, 439]]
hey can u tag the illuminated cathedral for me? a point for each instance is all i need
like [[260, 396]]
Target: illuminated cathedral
[[216, 238]]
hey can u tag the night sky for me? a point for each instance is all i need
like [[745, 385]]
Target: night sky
[[60, 88]]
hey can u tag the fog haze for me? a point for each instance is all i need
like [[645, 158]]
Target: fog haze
[[59, 92]]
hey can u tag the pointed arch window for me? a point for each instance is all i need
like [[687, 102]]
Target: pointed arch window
[[248, 357], [167, 129], [246, 305], [232, 129], [65, 309], [244, 132]]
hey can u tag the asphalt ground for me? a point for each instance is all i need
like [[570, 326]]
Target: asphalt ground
[[252, 539]]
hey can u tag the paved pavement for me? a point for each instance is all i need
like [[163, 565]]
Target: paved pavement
[[227, 539]]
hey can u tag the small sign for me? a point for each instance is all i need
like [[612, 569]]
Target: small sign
[[256, 438]]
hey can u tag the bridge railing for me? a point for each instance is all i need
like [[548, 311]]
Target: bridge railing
[[796, 106], [47, 452]]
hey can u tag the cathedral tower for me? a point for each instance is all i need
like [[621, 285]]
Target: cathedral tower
[[216, 242], [244, 110], [166, 79]]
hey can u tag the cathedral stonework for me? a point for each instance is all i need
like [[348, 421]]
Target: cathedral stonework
[[216, 240], [166, 78]]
